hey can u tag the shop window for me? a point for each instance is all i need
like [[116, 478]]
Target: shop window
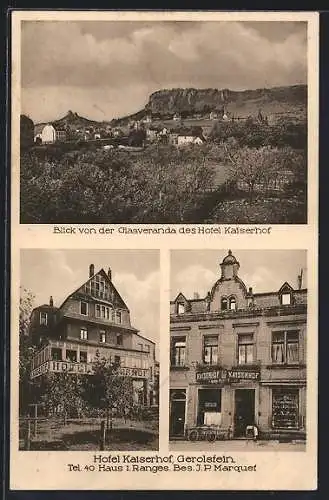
[[71, 355], [119, 339], [83, 356], [285, 409], [43, 318], [56, 354], [178, 351], [84, 308], [209, 406], [285, 347], [245, 349], [223, 304], [232, 303], [285, 299], [210, 349], [83, 333], [102, 336], [180, 308]]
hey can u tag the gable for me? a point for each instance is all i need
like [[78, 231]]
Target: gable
[[286, 288], [100, 287]]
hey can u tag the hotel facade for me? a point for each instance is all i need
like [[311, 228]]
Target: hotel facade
[[238, 358], [94, 322]]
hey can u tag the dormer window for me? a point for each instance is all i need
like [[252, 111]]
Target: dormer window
[[180, 308], [43, 318], [285, 299], [223, 304], [232, 303]]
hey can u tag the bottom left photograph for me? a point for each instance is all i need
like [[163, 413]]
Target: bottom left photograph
[[88, 350]]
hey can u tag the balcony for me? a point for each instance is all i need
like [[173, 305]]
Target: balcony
[[274, 311]]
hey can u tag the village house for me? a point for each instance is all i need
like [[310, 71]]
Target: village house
[[185, 140], [50, 133], [238, 358], [93, 322]]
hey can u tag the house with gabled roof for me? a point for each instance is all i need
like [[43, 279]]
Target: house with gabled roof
[[93, 322], [238, 359]]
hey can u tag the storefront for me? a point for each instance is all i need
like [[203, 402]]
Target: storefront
[[226, 397]]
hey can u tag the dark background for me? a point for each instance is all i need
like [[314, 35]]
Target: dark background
[[5, 249]]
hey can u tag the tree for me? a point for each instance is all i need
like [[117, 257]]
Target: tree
[[63, 393], [26, 131], [260, 167], [26, 349], [108, 389]]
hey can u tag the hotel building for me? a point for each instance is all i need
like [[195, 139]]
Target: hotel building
[[238, 358], [94, 321]]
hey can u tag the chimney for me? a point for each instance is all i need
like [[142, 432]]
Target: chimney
[[196, 295], [300, 280], [250, 290], [51, 301], [109, 274], [91, 270]]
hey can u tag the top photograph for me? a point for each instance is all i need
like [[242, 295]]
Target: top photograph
[[163, 122]]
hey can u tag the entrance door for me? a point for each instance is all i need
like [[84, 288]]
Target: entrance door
[[177, 413], [244, 411]]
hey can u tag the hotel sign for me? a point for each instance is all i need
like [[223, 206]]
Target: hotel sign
[[221, 375], [83, 368]]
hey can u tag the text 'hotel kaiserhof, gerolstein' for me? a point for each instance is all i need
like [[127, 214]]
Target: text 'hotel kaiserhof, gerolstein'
[[238, 358]]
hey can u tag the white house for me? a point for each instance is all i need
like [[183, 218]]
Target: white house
[[176, 117], [50, 134], [183, 140]]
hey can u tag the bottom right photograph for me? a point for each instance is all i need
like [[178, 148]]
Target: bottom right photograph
[[238, 324]]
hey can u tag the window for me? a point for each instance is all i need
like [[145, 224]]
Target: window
[[119, 339], [98, 311], [232, 303], [285, 347], [140, 346], [180, 309], [223, 304], [285, 408], [102, 336], [104, 312], [43, 318], [147, 348], [118, 316], [245, 349], [71, 355], [117, 360], [84, 308], [56, 354], [83, 356], [210, 350], [286, 299], [83, 333], [178, 351]]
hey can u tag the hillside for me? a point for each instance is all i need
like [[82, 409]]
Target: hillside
[[73, 120], [273, 101]]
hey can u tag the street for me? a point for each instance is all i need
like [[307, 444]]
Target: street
[[236, 445]]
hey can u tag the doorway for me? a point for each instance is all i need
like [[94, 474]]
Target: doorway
[[177, 413], [244, 411]]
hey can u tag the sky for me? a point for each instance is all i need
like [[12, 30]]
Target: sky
[[108, 69], [135, 274], [263, 270]]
